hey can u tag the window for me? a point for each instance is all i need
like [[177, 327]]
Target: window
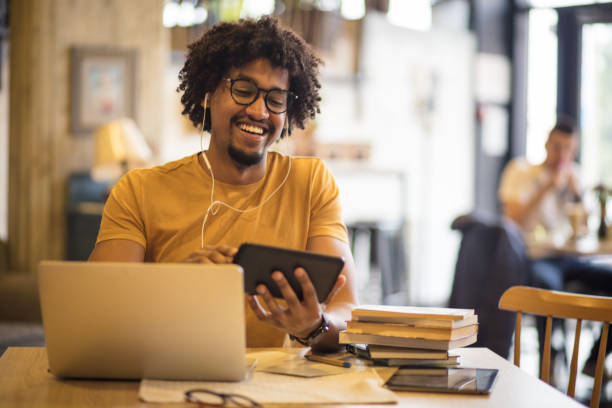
[[596, 103], [541, 81]]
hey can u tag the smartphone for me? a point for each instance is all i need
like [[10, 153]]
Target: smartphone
[[259, 261]]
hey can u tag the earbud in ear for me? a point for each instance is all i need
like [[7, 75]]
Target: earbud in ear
[[205, 135], [286, 127]]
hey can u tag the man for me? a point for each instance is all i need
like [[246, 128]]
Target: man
[[537, 198], [247, 83]]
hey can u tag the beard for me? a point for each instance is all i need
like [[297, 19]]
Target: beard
[[244, 158], [241, 156]]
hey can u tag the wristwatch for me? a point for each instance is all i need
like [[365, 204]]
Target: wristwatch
[[315, 335]]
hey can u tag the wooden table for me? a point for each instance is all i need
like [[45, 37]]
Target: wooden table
[[25, 382]]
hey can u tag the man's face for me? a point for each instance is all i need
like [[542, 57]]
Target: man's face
[[560, 149], [246, 132]]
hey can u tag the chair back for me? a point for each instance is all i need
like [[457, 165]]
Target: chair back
[[491, 259], [523, 299]]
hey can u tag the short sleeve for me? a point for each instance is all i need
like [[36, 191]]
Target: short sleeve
[[325, 211], [122, 217]]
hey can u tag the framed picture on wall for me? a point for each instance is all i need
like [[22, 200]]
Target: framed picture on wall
[[103, 87]]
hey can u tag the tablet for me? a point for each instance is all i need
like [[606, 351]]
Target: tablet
[[259, 261], [454, 380]]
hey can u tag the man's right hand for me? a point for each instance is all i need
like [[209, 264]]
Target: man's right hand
[[221, 254], [562, 177]]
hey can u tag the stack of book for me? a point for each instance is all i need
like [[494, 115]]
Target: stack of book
[[409, 336]]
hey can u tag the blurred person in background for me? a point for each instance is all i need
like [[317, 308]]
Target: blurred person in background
[[540, 199]]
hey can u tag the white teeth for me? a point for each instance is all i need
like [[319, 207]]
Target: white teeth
[[251, 129]]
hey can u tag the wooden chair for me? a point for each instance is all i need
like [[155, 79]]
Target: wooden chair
[[522, 299]]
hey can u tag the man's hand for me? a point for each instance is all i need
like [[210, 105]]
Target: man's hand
[[561, 176], [221, 254], [302, 318], [298, 318]]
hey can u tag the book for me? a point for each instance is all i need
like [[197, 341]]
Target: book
[[412, 312], [400, 330], [403, 371], [378, 351], [417, 322], [347, 338], [371, 351], [452, 361]]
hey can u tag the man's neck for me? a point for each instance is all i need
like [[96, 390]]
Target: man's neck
[[227, 170]]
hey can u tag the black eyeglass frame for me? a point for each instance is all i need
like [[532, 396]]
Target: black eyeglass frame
[[290, 95], [225, 398]]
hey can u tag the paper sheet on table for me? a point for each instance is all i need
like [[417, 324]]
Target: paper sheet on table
[[304, 368], [359, 385], [276, 362]]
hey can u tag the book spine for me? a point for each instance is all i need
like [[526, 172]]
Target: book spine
[[414, 312], [346, 337], [399, 330]]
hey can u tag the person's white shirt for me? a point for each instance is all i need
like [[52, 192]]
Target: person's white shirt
[[520, 182]]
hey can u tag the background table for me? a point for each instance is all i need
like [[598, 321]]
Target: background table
[[25, 382], [588, 245]]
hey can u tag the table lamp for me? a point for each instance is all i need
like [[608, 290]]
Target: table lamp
[[119, 147]]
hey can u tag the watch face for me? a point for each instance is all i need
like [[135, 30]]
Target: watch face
[[319, 331]]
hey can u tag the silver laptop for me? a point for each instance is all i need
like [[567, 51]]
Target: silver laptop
[[143, 320]]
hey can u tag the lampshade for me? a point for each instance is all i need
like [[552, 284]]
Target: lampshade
[[119, 146]]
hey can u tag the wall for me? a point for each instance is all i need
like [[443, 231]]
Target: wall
[[4, 115], [415, 105], [43, 150], [135, 24], [492, 23]]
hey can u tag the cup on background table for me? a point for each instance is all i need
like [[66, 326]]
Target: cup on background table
[[577, 217]]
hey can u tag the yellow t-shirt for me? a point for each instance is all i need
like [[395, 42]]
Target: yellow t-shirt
[[163, 208]]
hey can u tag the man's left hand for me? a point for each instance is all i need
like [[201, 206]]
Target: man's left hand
[[299, 318]]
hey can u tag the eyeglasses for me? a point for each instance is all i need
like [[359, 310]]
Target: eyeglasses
[[207, 398], [245, 92]]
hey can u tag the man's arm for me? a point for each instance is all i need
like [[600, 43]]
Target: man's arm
[[117, 250], [519, 212], [125, 250], [562, 178], [338, 311]]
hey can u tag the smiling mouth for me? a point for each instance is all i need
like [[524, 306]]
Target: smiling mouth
[[254, 130]]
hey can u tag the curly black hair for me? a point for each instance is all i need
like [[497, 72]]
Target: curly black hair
[[235, 44]]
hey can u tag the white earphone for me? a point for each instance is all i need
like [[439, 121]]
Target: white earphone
[[205, 135]]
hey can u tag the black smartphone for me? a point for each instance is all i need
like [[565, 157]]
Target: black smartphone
[[259, 261]]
